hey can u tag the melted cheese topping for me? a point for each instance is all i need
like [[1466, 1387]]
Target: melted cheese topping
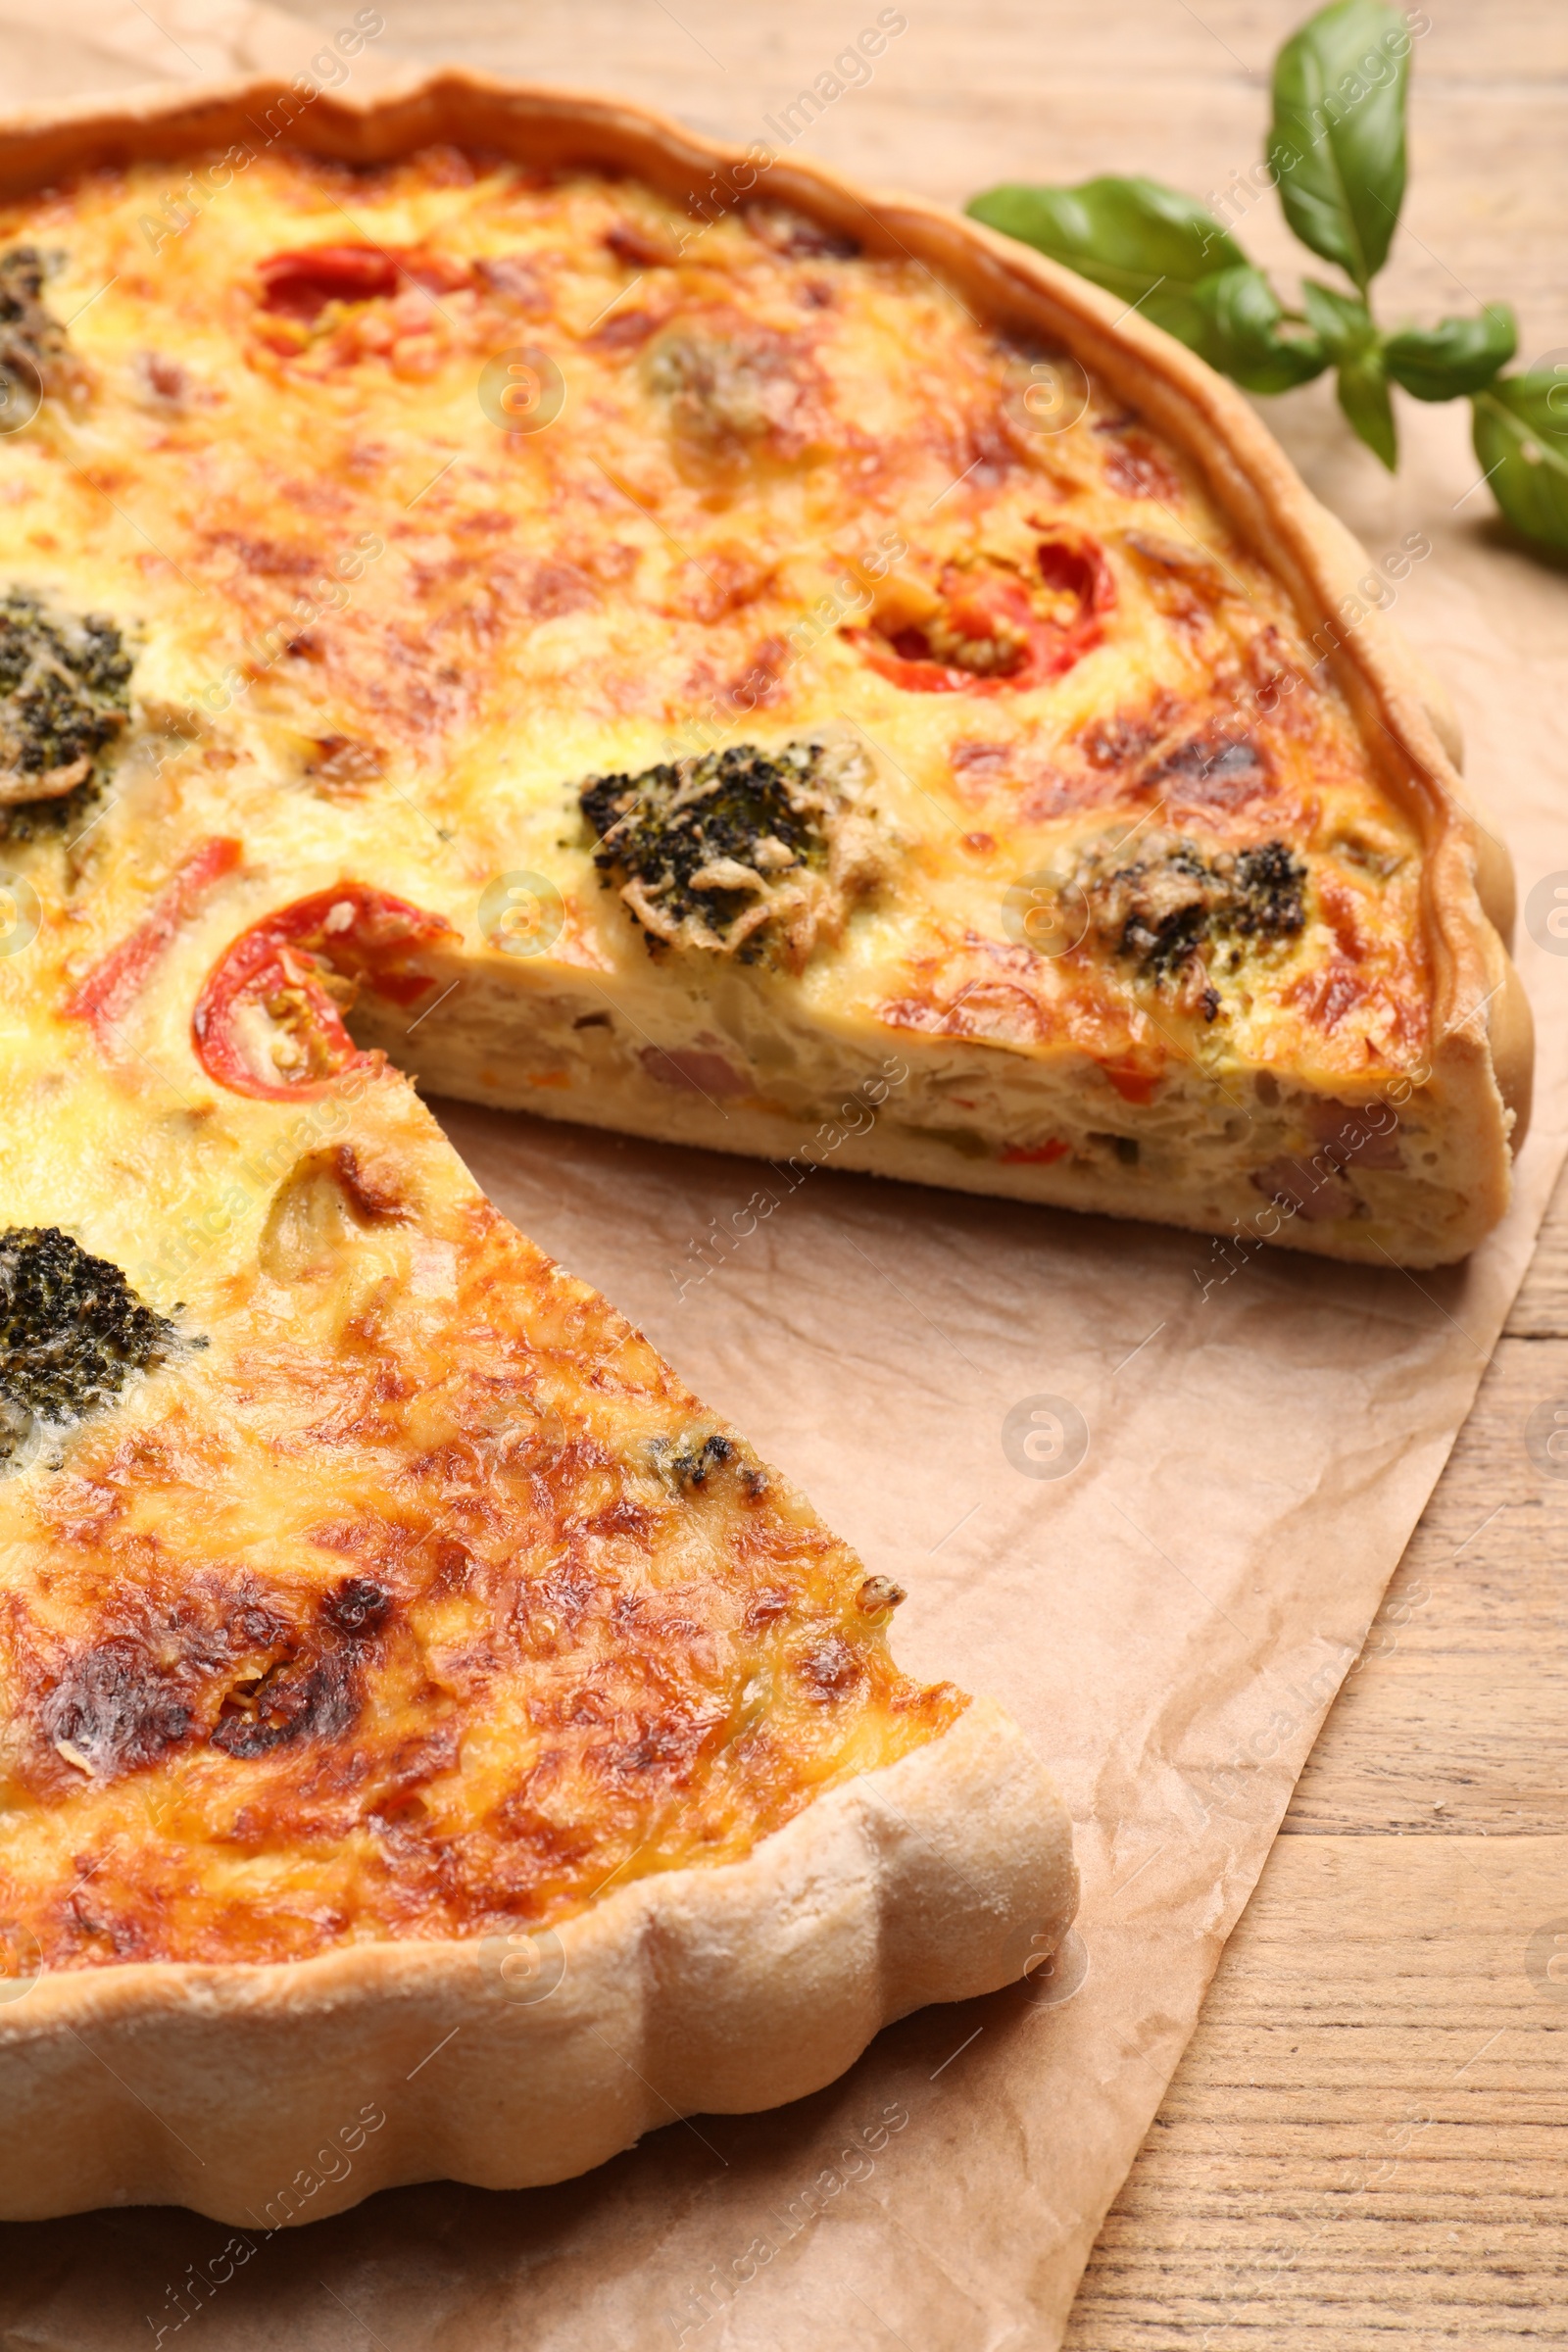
[[425, 1601], [409, 632]]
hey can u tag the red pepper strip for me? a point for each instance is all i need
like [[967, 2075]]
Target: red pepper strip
[[1133, 1085], [111, 986], [303, 283], [999, 607], [1041, 1154], [362, 935]]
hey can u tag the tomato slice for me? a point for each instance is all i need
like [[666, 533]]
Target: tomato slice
[[304, 282], [1027, 636], [300, 285], [111, 986], [268, 1021]]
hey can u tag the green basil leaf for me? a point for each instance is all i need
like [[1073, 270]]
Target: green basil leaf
[[1147, 243], [1248, 337], [1521, 439], [1363, 394], [1344, 322], [1354, 343], [1456, 356], [1337, 143]]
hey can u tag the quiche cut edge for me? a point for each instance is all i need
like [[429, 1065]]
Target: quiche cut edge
[[511, 2062], [1473, 1083]]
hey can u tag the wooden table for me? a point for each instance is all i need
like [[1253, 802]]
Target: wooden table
[[1384, 2158], [1381, 2158]]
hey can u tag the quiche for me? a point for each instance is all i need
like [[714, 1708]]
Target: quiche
[[501, 596]]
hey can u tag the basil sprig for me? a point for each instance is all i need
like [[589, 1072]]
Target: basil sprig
[[1348, 332], [1335, 154]]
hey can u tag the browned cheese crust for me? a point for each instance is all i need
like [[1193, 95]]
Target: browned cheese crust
[[426, 1601]]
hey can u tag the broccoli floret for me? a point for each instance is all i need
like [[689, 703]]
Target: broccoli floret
[[743, 852], [35, 354], [64, 699], [1172, 900], [1269, 882], [672, 828], [71, 1333]]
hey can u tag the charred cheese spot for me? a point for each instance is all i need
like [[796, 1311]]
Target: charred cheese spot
[[111, 1709]]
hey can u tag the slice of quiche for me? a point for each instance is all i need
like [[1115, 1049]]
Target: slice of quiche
[[814, 679], [395, 1658]]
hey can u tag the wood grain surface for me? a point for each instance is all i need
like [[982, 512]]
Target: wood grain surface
[[1381, 2158], [1367, 2141]]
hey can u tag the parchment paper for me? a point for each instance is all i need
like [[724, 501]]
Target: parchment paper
[[1169, 1620]]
